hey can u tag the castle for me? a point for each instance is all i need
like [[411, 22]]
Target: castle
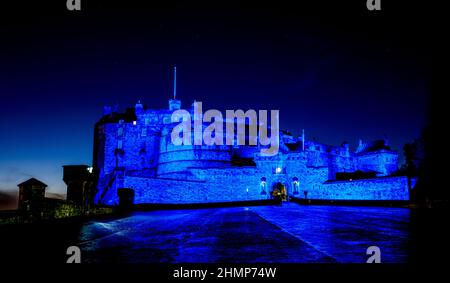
[[133, 150]]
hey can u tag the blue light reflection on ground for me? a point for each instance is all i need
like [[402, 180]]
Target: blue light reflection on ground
[[287, 234]]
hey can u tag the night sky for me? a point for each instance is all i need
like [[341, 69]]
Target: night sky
[[334, 69]]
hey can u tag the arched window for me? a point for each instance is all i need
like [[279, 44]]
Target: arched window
[[263, 186], [295, 185]]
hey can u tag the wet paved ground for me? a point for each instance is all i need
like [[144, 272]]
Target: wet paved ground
[[288, 234]]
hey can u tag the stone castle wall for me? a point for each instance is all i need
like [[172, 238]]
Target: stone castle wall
[[234, 188], [172, 191], [389, 188]]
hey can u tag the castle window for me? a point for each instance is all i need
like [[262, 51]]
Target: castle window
[[263, 186], [279, 170], [120, 132], [120, 122], [144, 132], [147, 121], [295, 185], [119, 144]]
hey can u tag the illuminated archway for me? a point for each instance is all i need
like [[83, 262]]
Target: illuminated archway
[[279, 191]]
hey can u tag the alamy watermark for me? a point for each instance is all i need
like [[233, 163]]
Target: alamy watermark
[[214, 133], [73, 5], [373, 5], [374, 253], [74, 254]]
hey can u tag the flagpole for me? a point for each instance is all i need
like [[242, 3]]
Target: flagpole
[[174, 82]]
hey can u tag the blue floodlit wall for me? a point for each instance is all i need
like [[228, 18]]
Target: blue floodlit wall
[[390, 188], [138, 154], [172, 191]]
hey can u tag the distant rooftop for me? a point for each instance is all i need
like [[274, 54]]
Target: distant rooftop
[[31, 182]]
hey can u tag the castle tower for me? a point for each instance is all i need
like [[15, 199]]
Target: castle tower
[[80, 185], [139, 108], [174, 104]]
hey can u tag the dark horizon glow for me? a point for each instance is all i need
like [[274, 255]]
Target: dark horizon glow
[[340, 77]]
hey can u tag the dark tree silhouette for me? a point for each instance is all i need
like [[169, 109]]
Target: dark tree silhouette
[[418, 165]]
